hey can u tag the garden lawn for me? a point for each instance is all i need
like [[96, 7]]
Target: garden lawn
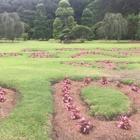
[[30, 120], [106, 102]]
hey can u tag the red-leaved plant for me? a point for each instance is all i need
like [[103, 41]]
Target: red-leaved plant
[[75, 114], [69, 106], [118, 83], [67, 80], [124, 123], [65, 87], [84, 126], [2, 97], [87, 80], [66, 98], [103, 80], [135, 87]]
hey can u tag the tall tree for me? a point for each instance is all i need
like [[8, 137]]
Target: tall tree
[[105, 28], [87, 17], [100, 7], [119, 26], [64, 11], [27, 16], [57, 28], [132, 25], [78, 6], [41, 29], [138, 28], [64, 17], [0, 29], [12, 27], [113, 25]]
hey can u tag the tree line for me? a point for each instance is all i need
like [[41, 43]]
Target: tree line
[[70, 19]]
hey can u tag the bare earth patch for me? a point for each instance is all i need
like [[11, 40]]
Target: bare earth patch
[[65, 128], [9, 103]]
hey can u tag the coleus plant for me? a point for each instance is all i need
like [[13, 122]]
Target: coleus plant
[[75, 114], [2, 96], [26, 50], [67, 80], [135, 87], [124, 123], [87, 80], [118, 83], [65, 92], [69, 106], [66, 98], [103, 80], [84, 126], [65, 87]]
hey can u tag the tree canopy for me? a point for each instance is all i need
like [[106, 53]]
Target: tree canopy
[[113, 26], [81, 32], [70, 12], [11, 26]]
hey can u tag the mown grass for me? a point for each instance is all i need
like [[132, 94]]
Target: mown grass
[[33, 78], [105, 102]]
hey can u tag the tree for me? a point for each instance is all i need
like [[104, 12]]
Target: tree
[[71, 23], [113, 25], [81, 31], [12, 27], [119, 26], [138, 28], [65, 35], [64, 19], [95, 29], [105, 28], [86, 20], [0, 29], [27, 16], [132, 25], [87, 17], [57, 28], [78, 6], [41, 30], [64, 11], [24, 36]]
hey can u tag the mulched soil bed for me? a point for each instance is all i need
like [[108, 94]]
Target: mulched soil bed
[[9, 103], [65, 129]]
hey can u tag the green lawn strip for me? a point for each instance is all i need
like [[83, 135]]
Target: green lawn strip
[[105, 102]]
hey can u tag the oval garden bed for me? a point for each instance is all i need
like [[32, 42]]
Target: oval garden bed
[[65, 128]]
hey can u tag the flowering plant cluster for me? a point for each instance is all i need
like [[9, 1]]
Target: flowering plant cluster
[[84, 126], [124, 123], [2, 96]]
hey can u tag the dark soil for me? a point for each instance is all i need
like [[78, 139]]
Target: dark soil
[[65, 128]]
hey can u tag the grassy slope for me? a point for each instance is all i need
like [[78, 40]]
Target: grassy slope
[[29, 120]]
